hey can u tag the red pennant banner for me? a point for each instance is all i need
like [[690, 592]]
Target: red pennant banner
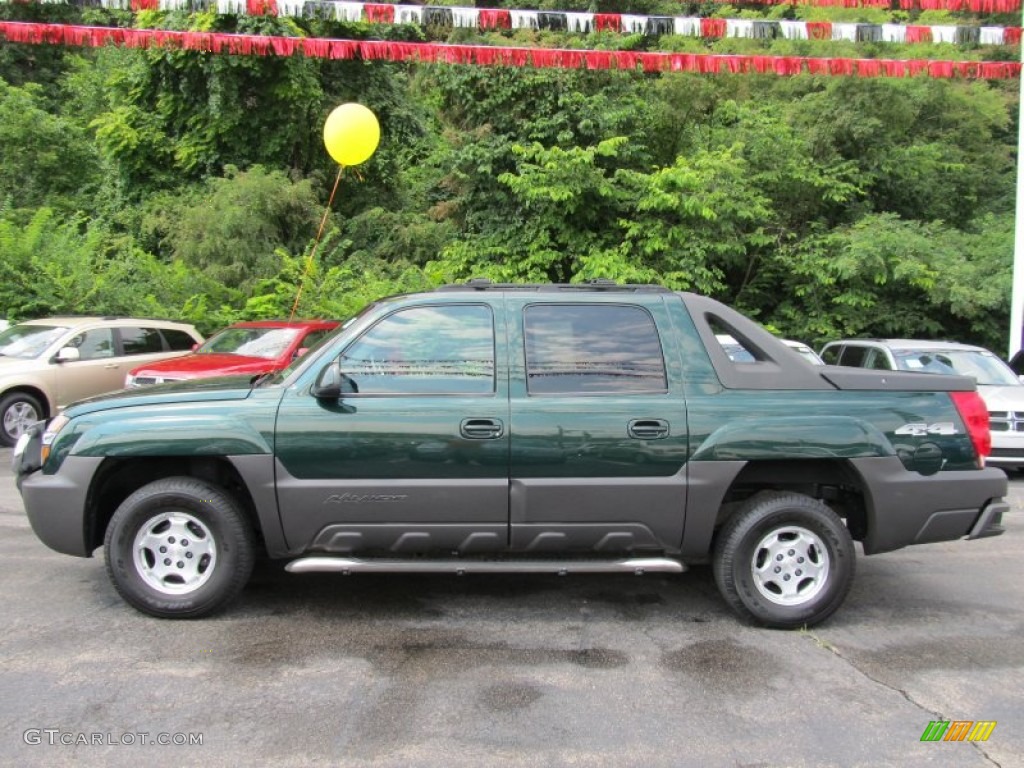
[[479, 55]]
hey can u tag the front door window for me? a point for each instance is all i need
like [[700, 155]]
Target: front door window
[[436, 350]]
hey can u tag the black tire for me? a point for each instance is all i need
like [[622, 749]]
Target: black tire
[[207, 542], [811, 554], [17, 411]]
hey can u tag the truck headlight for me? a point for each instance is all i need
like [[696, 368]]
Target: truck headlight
[[56, 425]]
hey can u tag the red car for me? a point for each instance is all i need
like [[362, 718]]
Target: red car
[[242, 349]]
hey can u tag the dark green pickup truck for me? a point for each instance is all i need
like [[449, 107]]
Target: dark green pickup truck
[[551, 428]]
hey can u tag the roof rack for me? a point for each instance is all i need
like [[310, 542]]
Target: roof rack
[[594, 284]]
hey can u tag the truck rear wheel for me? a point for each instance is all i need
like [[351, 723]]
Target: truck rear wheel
[[179, 548], [784, 560]]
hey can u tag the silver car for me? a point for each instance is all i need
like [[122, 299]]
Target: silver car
[[739, 354]]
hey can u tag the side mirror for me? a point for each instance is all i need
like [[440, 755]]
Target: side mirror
[[301, 351], [328, 383], [68, 355], [331, 384]]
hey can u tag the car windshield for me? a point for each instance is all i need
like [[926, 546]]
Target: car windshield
[[737, 352], [986, 368], [252, 342], [284, 373], [28, 341]]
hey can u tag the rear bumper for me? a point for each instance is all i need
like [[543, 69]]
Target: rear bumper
[[906, 508], [990, 521]]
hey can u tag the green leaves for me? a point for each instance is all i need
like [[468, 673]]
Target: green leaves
[[232, 227], [78, 267], [45, 159], [883, 276]]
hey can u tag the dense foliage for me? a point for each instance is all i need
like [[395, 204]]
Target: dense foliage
[[187, 185]]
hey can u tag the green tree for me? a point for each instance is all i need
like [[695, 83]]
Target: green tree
[[55, 266], [231, 228], [883, 276], [45, 159]]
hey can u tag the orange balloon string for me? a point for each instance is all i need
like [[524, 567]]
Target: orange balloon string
[[316, 243]]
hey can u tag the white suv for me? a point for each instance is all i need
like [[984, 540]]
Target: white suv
[[998, 385], [47, 364]]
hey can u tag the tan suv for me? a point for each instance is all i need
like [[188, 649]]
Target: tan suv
[[46, 364]]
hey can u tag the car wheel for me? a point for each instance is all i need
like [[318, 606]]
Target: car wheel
[[784, 560], [18, 411], [179, 548]]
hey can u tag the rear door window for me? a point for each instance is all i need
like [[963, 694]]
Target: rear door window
[[853, 356], [878, 360], [140, 341], [591, 349]]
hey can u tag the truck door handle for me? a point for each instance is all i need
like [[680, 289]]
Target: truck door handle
[[648, 429], [481, 429]]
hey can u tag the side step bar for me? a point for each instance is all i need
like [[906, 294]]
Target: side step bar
[[347, 565]]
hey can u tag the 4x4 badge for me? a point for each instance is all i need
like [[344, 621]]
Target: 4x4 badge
[[922, 429]]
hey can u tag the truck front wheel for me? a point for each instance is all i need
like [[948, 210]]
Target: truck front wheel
[[785, 560], [179, 548]]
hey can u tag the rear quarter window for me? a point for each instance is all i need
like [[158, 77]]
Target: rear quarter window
[[141, 341], [178, 340]]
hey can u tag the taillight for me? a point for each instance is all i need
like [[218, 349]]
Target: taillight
[[975, 415]]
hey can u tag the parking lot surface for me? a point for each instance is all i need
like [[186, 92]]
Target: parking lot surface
[[608, 670]]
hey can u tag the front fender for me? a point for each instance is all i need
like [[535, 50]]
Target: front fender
[[794, 437], [171, 435]]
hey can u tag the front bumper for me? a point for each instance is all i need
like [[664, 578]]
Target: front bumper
[[906, 508], [56, 504], [1005, 459], [1007, 449], [27, 455]]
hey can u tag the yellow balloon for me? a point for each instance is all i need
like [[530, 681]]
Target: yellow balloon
[[351, 134]]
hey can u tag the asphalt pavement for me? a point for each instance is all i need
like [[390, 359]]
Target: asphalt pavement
[[606, 670]]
